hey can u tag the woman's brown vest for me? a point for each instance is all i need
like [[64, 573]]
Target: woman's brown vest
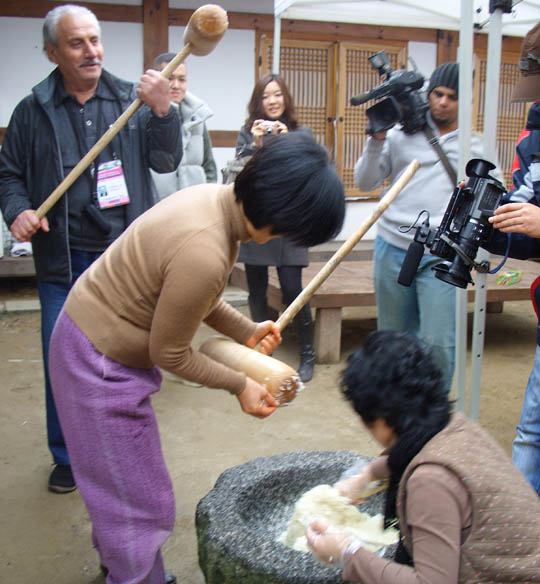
[[503, 544]]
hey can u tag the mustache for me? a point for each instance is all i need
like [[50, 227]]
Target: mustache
[[91, 62]]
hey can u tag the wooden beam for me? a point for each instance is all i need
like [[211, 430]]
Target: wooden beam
[[237, 20], [356, 32], [509, 44], [343, 31], [155, 30], [223, 138], [39, 8]]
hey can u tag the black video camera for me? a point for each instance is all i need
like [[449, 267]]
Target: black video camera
[[464, 228], [404, 103]]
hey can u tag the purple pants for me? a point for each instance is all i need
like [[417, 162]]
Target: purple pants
[[115, 451]]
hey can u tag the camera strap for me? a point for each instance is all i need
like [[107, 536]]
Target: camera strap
[[434, 141]]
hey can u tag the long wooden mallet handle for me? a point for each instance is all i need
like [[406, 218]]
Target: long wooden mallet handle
[[279, 378], [204, 30], [292, 310]]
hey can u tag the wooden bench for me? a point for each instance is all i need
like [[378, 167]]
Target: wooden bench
[[351, 285], [21, 267]]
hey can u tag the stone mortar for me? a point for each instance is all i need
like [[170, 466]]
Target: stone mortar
[[240, 519]]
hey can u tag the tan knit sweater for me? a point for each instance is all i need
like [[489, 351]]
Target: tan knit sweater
[[142, 302]]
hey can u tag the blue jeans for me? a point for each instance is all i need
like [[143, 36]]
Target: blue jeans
[[426, 309], [526, 446], [52, 297]]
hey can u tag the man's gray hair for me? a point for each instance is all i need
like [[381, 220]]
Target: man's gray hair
[[50, 24]]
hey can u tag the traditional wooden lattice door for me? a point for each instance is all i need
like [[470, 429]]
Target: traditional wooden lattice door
[[308, 70], [356, 75], [322, 76], [511, 116]]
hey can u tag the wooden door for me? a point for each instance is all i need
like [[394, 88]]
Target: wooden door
[[356, 75], [307, 68], [322, 76]]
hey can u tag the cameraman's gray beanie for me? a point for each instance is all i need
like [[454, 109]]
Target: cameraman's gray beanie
[[447, 75]]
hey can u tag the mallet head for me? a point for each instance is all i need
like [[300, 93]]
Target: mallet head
[[205, 29]]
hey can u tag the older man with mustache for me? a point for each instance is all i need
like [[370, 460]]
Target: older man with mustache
[[49, 132]]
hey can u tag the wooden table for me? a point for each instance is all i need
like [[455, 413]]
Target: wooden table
[[351, 284]]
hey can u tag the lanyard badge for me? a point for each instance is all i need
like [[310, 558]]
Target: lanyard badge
[[111, 185]]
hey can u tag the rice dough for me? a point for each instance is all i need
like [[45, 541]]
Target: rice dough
[[324, 502]]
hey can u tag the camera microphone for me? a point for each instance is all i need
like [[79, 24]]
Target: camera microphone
[[410, 263], [374, 93], [360, 98]]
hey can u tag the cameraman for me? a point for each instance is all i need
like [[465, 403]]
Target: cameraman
[[426, 308], [521, 217]]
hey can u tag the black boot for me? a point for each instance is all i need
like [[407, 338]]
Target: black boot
[[258, 309], [307, 344]]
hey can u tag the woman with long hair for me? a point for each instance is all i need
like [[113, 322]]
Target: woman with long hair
[[465, 513], [271, 112]]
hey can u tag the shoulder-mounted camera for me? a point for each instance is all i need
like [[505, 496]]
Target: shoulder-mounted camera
[[403, 102]]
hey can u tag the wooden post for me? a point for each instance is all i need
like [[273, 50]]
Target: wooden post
[[155, 30], [447, 43]]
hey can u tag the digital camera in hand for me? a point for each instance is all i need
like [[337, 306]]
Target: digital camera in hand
[[464, 228], [403, 103], [269, 126]]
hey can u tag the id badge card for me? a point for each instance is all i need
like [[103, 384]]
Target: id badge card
[[111, 185]]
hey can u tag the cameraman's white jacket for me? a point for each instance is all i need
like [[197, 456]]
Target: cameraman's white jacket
[[430, 188]]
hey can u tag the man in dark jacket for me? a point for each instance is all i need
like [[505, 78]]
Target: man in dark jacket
[[521, 218], [49, 132]]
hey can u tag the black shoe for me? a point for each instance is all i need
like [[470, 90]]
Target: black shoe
[[304, 326], [307, 363], [61, 479], [169, 578]]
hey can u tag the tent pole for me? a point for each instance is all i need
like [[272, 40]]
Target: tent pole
[[490, 153], [465, 59]]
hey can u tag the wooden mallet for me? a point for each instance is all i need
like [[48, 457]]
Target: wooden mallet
[[204, 30], [278, 377]]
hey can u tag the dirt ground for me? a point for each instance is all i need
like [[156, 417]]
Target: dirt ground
[[45, 538]]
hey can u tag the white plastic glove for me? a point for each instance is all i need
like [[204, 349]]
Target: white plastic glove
[[353, 487], [327, 542]]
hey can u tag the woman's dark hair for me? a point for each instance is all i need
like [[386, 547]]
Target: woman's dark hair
[[291, 184], [255, 105], [394, 378]]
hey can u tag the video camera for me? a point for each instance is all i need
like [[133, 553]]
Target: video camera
[[464, 228], [404, 103]]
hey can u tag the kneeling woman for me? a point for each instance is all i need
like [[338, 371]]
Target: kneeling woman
[[465, 513]]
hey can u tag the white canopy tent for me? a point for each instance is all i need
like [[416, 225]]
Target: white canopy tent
[[442, 14], [467, 17]]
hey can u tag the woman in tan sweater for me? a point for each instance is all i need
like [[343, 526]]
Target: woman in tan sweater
[[136, 310], [465, 513]]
